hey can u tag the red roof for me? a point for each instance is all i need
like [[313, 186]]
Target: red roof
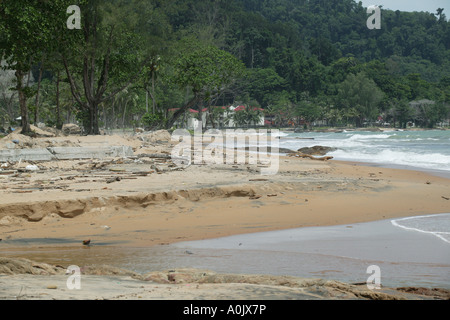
[[239, 108], [195, 111], [190, 110]]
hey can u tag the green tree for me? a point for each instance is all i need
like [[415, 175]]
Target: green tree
[[403, 113], [263, 84], [207, 71], [111, 55], [27, 29], [360, 92], [308, 110]]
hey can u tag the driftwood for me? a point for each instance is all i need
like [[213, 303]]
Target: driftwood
[[154, 155], [302, 155]]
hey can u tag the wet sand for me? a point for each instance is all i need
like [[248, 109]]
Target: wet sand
[[341, 253], [136, 213]]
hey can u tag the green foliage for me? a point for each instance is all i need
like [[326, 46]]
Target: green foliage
[[207, 70], [27, 29], [403, 113], [362, 94], [303, 60], [153, 120]]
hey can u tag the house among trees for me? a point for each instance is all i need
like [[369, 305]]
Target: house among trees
[[194, 53], [221, 117], [427, 113]]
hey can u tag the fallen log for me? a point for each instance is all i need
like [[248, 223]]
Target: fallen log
[[301, 155]]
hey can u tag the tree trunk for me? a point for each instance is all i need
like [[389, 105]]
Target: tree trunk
[[124, 113], [146, 100], [94, 128], [36, 109], [23, 103], [58, 111], [200, 112], [113, 120], [153, 92]]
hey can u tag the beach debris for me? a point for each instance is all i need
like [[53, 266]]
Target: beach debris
[[31, 167], [86, 242], [259, 179], [316, 150], [446, 198], [272, 195], [106, 227], [256, 196], [52, 287], [428, 182], [301, 155], [111, 180], [188, 252], [71, 129]]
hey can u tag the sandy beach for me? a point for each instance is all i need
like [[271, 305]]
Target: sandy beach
[[145, 201]]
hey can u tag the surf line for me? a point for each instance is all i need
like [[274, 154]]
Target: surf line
[[435, 233]]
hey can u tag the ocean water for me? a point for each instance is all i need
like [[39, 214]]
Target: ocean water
[[409, 251], [437, 225], [413, 251], [427, 150]]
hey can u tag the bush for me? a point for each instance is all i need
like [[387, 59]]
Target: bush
[[153, 120]]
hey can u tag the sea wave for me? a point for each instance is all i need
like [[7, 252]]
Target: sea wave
[[435, 161], [369, 136]]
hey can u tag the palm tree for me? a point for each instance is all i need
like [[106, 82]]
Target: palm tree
[[239, 118], [253, 115], [126, 97]]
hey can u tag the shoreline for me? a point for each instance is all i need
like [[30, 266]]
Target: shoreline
[[199, 202], [404, 183], [341, 252], [434, 172]]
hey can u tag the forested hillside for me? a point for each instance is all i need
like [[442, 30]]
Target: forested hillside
[[301, 61]]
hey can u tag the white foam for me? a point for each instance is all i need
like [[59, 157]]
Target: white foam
[[420, 226], [369, 136], [428, 161]]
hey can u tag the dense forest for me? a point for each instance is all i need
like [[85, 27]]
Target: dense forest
[[136, 63]]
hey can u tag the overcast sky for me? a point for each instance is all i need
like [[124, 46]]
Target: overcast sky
[[411, 5]]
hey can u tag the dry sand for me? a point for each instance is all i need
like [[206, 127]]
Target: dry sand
[[78, 200]]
